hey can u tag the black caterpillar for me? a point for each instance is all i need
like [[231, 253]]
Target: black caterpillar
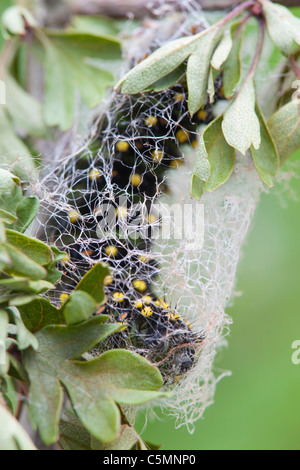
[[136, 143]]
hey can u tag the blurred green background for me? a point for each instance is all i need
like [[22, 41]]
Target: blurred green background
[[258, 407]]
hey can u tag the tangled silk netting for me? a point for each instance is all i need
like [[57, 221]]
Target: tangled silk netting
[[124, 198]]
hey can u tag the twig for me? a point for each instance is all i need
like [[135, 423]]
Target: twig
[[142, 8]]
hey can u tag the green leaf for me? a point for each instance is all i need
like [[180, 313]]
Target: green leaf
[[7, 217], [72, 434], [25, 111], [222, 51], [232, 68], [56, 256], [13, 152], [40, 313], [21, 265], [22, 284], [169, 80], [197, 187], [36, 250], [266, 158], [215, 160], [284, 126], [26, 212], [4, 363], [67, 69], [81, 45], [4, 258], [94, 387], [93, 282], [79, 307], [13, 436], [220, 155], [24, 337], [126, 440], [59, 107], [240, 124], [198, 68], [98, 25], [283, 27], [10, 191], [116, 376], [202, 167], [159, 64], [50, 363]]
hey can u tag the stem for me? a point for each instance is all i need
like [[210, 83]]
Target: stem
[[258, 50], [295, 66]]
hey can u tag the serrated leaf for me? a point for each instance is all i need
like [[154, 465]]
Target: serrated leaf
[[98, 25], [94, 386], [222, 51], [283, 27], [23, 266], [266, 158], [240, 124], [198, 68], [24, 110], [59, 106], [67, 69], [85, 44], [232, 68], [47, 366], [79, 307], [39, 313], [284, 126], [117, 376], [36, 250], [13, 152], [13, 436], [93, 282], [220, 155], [26, 212]]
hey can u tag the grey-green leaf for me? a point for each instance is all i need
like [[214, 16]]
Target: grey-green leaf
[[233, 66], [159, 64], [13, 436], [283, 27], [220, 155], [222, 51], [266, 158], [240, 125], [198, 69], [284, 126]]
